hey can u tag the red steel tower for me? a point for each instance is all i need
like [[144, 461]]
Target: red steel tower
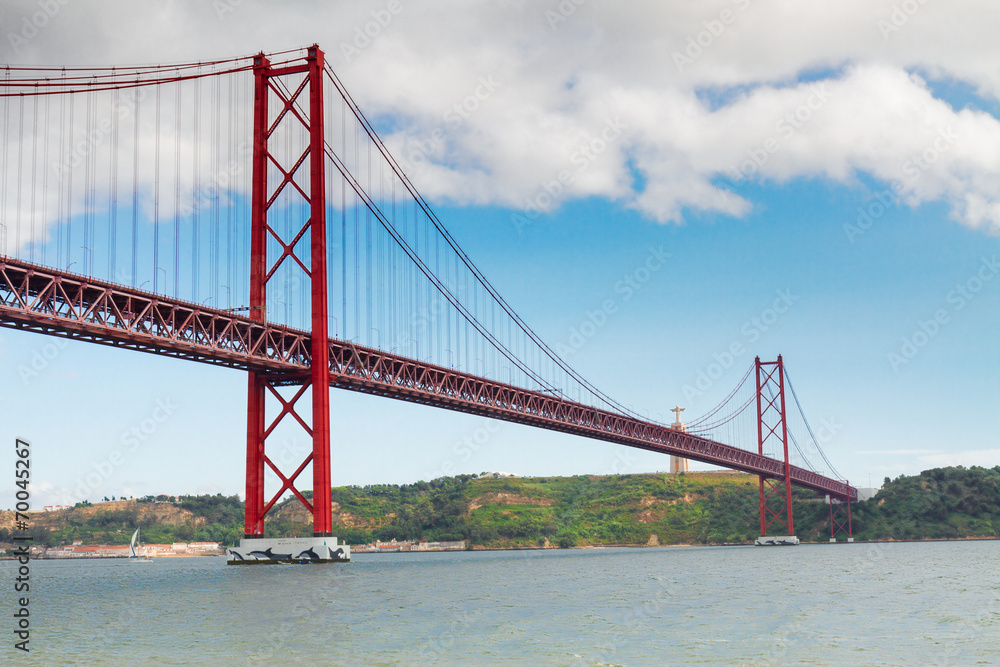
[[302, 103], [772, 431]]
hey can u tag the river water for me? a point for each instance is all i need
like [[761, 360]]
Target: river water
[[847, 604]]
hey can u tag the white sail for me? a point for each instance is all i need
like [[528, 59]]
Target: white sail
[[131, 546]]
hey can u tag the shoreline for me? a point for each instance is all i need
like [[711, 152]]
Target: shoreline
[[678, 545], [36, 558], [529, 548]]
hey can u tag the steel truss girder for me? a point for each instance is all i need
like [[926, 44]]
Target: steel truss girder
[[100, 312], [283, 356], [374, 372], [53, 302]]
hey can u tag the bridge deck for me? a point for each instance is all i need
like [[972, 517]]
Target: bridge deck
[[48, 301]]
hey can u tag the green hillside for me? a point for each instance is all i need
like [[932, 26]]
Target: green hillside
[[944, 503], [566, 511], [693, 508], [696, 508], [163, 520]]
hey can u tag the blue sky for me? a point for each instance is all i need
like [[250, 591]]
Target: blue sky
[[664, 185]]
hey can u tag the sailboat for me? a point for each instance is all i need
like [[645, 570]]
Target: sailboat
[[133, 557]]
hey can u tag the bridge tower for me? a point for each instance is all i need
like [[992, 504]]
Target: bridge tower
[[840, 517], [772, 432], [299, 102]]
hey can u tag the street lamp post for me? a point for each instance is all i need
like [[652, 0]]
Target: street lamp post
[[88, 267]]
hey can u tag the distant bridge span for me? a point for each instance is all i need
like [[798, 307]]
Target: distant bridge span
[[49, 301]]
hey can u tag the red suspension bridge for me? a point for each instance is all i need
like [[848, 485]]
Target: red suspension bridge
[[246, 213]]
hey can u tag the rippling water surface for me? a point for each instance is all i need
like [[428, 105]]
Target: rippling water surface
[[858, 604]]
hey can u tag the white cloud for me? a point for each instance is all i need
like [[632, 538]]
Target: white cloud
[[559, 87], [46, 493]]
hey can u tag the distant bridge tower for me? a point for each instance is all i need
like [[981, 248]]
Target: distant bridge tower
[[772, 434], [677, 463]]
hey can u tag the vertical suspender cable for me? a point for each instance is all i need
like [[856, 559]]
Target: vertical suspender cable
[[3, 168], [177, 190], [156, 197], [68, 166], [88, 184], [217, 153], [45, 181], [135, 185], [368, 254], [343, 225], [196, 194], [113, 232], [230, 199], [20, 171], [34, 165]]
